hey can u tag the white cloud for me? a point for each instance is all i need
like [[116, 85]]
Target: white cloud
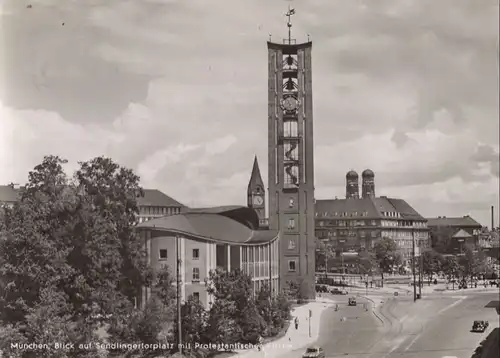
[[177, 91]]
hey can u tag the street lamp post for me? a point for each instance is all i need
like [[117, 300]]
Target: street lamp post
[[413, 265], [420, 274], [179, 297]]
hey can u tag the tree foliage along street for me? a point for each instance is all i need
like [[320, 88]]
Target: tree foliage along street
[[367, 261], [386, 255], [451, 268], [472, 263], [432, 263], [324, 252], [71, 263], [68, 253]]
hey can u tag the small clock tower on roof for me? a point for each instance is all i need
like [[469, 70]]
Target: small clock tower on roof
[[256, 193]]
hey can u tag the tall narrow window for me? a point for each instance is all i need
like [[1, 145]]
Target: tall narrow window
[[196, 274], [163, 254], [291, 224], [196, 254], [292, 265]]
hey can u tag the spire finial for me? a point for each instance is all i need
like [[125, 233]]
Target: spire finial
[[289, 14]]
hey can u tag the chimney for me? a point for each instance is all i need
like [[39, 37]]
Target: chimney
[[492, 217]]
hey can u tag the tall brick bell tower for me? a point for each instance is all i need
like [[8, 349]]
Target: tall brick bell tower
[[291, 160]]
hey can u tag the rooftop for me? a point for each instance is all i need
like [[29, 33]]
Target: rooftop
[[465, 221], [372, 207], [154, 197], [462, 234], [230, 225], [9, 193]]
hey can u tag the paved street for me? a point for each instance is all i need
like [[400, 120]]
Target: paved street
[[436, 326]]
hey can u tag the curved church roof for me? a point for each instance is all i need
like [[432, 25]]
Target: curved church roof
[[237, 225]]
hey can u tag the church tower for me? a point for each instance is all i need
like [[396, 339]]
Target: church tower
[[368, 178], [256, 193], [352, 185], [291, 160]]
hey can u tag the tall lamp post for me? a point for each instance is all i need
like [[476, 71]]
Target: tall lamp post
[[413, 265], [420, 273], [179, 324]]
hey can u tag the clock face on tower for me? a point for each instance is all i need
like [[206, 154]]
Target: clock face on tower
[[257, 200], [290, 104]]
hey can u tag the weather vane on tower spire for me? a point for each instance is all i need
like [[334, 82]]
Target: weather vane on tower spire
[[289, 24]]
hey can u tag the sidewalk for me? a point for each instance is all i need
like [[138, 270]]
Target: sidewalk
[[294, 338]]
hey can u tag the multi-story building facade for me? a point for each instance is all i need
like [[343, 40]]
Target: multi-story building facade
[[201, 240], [449, 235], [355, 223]]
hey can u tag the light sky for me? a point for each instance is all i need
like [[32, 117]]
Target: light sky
[[177, 90]]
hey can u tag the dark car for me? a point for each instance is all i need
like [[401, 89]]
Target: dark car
[[480, 326], [336, 291], [314, 352]]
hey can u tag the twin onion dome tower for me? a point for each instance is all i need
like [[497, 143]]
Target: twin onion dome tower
[[352, 184]]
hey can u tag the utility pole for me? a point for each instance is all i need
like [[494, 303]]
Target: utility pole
[[413, 265], [179, 324]]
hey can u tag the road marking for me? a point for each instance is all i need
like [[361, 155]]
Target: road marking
[[413, 341], [461, 298], [453, 304]]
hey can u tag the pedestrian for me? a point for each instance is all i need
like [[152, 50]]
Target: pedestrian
[[296, 322]]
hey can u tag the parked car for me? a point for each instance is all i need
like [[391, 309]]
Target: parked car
[[336, 291], [352, 301], [314, 352], [480, 326]]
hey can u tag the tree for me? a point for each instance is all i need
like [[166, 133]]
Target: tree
[[166, 290], [451, 268], [324, 252], [366, 261], [222, 326], [76, 237], [194, 321], [132, 326], [472, 263], [234, 302], [432, 263], [275, 310], [386, 255]]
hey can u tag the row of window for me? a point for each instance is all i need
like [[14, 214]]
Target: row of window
[[195, 274], [159, 210], [163, 254], [344, 233], [347, 223], [405, 223], [391, 214], [341, 214]]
